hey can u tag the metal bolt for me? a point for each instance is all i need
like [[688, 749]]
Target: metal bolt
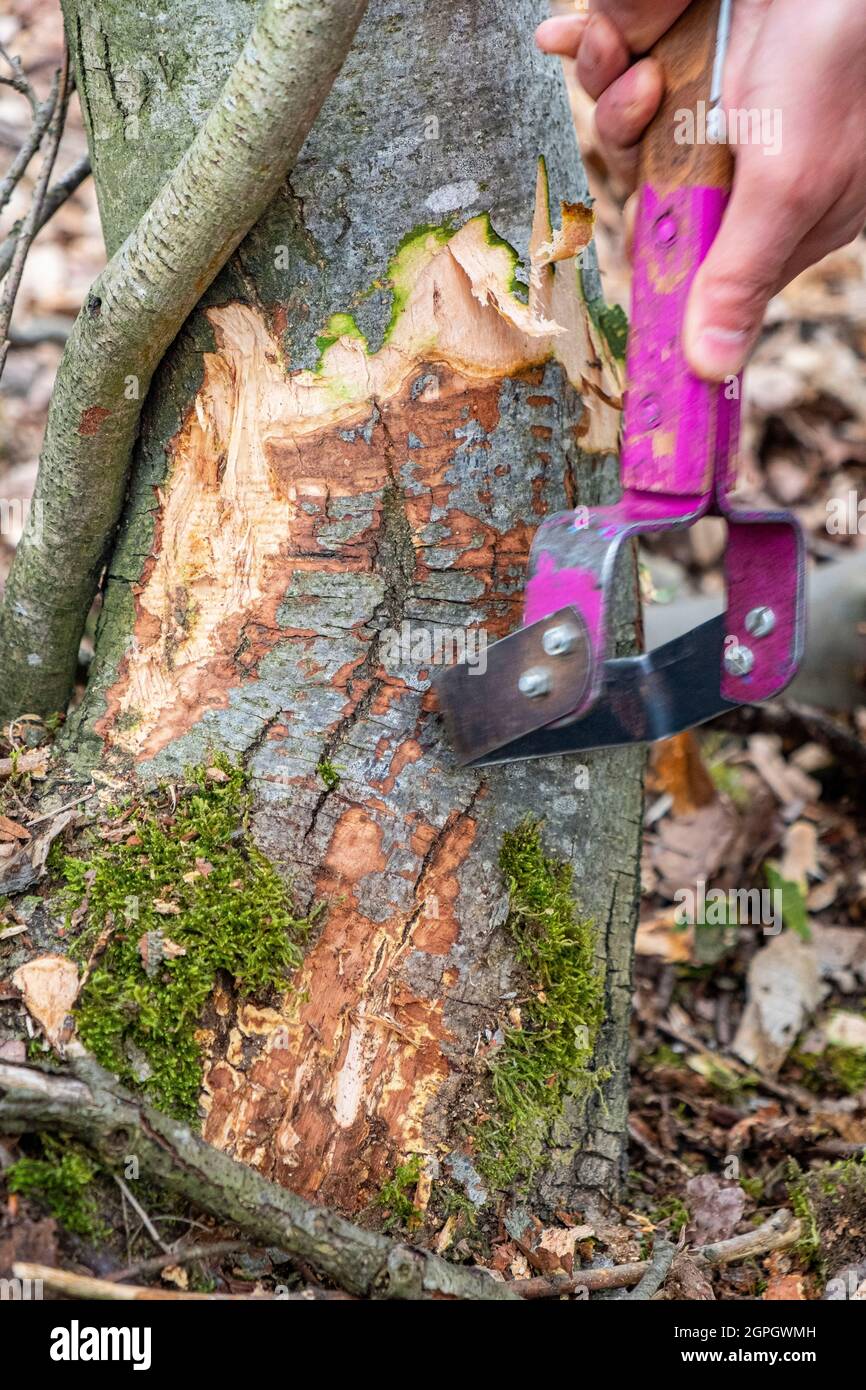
[[560, 640], [666, 229], [760, 622], [534, 682], [739, 660]]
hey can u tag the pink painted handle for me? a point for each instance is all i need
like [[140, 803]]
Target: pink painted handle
[[669, 434]]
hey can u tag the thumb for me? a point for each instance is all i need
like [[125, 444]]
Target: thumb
[[761, 228]]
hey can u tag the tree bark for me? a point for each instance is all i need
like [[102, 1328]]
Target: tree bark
[[360, 427]]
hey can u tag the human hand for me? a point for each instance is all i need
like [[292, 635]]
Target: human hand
[[802, 65]]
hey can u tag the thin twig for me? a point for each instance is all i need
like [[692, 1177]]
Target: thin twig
[[62, 1281], [30, 224], [18, 79], [156, 1263], [41, 120], [143, 1216], [57, 195]]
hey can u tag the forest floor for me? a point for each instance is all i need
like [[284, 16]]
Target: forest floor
[[748, 1042]]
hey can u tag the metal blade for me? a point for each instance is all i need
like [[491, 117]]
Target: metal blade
[[644, 698], [522, 685]]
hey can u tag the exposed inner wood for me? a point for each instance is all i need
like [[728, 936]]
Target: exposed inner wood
[[261, 450]]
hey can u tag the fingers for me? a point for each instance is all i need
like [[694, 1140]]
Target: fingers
[[562, 34], [623, 112], [603, 56], [641, 24], [762, 228]]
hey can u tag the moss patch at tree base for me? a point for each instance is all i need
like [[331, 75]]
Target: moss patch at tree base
[[183, 895], [546, 1054]]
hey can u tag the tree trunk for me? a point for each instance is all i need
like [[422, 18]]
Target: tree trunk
[[344, 455]]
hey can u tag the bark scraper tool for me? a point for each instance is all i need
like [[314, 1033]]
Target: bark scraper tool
[[554, 685]]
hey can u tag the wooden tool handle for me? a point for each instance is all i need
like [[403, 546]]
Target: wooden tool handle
[[686, 53]]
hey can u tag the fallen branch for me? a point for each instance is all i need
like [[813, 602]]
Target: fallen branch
[[658, 1268], [229, 174], [592, 1280], [778, 1233], [56, 196], [93, 1107], [31, 761], [70, 1285]]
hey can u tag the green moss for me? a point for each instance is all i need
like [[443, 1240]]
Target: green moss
[[189, 891], [61, 1183], [843, 1066], [674, 1212], [329, 773], [802, 1206], [395, 1198], [848, 1067], [543, 1063], [754, 1188]]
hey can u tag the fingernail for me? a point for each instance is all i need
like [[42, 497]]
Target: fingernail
[[720, 352]]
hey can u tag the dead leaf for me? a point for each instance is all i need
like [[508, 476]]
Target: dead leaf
[[554, 1248], [841, 953], [844, 1029], [11, 830], [679, 770], [177, 1275], [662, 936], [165, 908], [689, 848], [49, 987], [28, 1242], [784, 989], [792, 787], [716, 1208], [27, 864]]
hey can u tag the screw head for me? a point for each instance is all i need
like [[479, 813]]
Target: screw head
[[760, 622], [666, 229], [534, 682], [560, 640], [739, 661]]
